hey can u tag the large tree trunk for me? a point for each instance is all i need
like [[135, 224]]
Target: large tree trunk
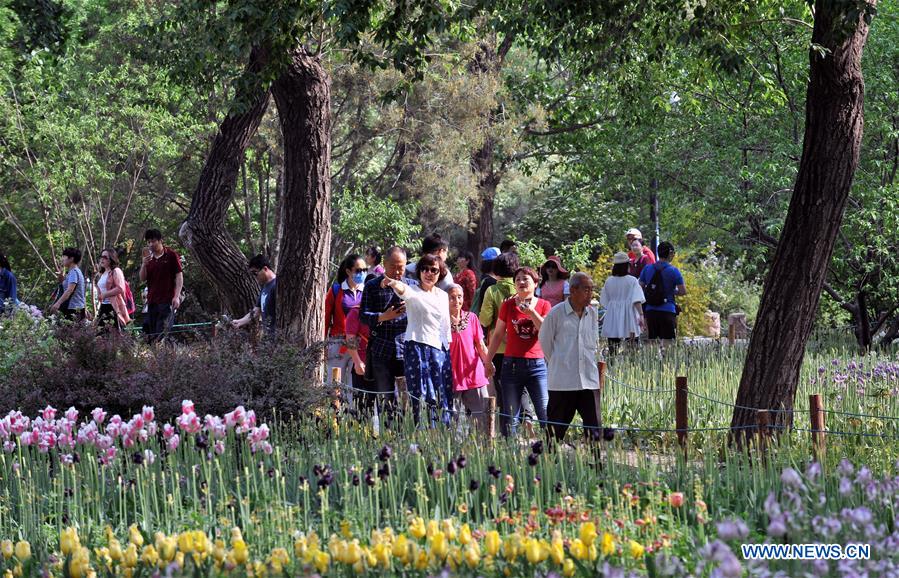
[[833, 133], [303, 96], [204, 231], [480, 209]]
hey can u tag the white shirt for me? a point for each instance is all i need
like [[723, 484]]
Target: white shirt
[[569, 345], [427, 314], [103, 286]]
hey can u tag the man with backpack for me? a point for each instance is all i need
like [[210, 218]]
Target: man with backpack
[[661, 283]]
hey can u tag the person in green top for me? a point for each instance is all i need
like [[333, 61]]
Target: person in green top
[[504, 268]]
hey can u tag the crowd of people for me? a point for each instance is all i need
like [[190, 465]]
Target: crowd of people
[[526, 337]]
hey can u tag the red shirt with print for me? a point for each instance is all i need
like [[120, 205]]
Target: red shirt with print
[[521, 333]]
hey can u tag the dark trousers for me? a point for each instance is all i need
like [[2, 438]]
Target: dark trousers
[[159, 321], [563, 405], [382, 385]]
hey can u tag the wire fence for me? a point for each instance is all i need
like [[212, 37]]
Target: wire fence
[[432, 406]]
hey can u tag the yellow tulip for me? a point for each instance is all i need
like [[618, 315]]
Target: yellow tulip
[[322, 561], [130, 556], [241, 553], [186, 542], [568, 568], [464, 535], [167, 549], [421, 561], [134, 536], [636, 549], [68, 541], [400, 548], [7, 549], [236, 534], [578, 549], [417, 528], [381, 553], [201, 542], [22, 550], [115, 550], [346, 529], [608, 544], [449, 529], [440, 545], [492, 542], [588, 533], [532, 551], [557, 548], [150, 556], [433, 528], [472, 555], [219, 552]]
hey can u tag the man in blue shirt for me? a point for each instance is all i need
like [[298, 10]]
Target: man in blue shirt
[[266, 306], [385, 314], [72, 301], [8, 288], [661, 318]]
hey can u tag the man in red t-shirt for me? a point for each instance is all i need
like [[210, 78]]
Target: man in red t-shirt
[[161, 270]]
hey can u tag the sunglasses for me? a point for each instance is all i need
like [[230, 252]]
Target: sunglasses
[[365, 270], [431, 270], [104, 256]]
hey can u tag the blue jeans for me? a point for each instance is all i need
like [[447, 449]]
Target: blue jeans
[[520, 375]]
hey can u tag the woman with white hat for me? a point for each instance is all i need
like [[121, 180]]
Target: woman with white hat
[[622, 297]]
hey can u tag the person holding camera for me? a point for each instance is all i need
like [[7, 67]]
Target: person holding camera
[[524, 366]]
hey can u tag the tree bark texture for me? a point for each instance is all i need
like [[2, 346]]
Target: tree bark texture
[[303, 96], [480, 208], [830, 153], [204, 232]]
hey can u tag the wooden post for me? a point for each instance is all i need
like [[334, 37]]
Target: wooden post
[[761, 420], [215, 330], [602, 375], [816, 409], [731, 332], [335, 381], [680, 411], [403, 393], [491, 417]]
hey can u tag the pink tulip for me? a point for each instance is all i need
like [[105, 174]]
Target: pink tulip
[[168, 430], [72, 414], [173, 442], [49, 413], [187, 406], [148, 414], [98, 415]]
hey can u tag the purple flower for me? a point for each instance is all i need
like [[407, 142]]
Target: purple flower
[[791, 478], [845, 487], [858, 516], [777, 527], [732, 530], [846, 468]]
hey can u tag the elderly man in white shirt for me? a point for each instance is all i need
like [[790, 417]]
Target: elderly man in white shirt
[[568, 338]]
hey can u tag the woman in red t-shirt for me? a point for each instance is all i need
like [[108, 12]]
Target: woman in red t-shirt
[[520, 318], [466, 278]]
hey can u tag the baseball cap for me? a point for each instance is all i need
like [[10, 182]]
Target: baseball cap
[[490, 253], [635, 232]]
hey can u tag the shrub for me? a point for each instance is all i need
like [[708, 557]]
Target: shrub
[[83, 369]]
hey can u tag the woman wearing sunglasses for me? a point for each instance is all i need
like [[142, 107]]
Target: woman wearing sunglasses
[[428, 371], [111, 285]]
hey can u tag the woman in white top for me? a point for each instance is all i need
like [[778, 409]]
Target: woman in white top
[[622, 297], [426, 357], [111, 286]]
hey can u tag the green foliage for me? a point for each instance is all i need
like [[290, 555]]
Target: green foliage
[[23, 335], [728, 292], [575, 256], [365, 219]]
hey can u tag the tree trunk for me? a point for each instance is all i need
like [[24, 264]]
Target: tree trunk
[[204, 231], [833, 132], [303, 96], [480, 209]]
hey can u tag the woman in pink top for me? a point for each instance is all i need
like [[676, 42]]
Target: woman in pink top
[[468, 356], [553, 281]]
